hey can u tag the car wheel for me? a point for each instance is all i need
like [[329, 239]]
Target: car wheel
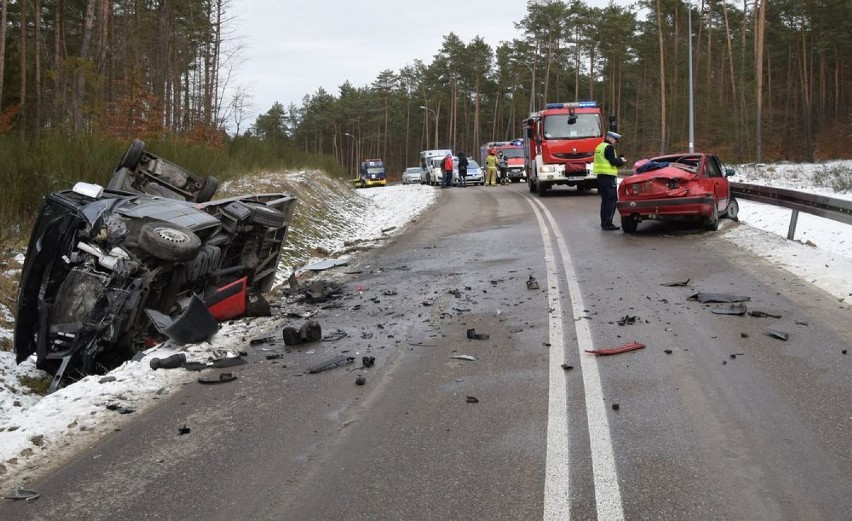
[[733, 211], [169, 242], [267, 216], [629, 224], [134, 153], [207, 191], [711, 223]]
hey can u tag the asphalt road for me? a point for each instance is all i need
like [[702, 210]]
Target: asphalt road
[[713, 419]]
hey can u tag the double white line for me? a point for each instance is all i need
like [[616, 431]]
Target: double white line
[[557, 492]]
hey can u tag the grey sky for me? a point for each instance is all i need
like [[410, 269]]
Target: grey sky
[[290, 48]]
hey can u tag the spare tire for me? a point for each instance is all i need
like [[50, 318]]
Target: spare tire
[[267, 216], [169, 242]]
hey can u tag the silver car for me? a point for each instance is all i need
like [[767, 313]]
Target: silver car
[[411, 175], [474, 173]]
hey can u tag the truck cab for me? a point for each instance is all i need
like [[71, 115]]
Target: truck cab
[[560, 143], [372, 173]]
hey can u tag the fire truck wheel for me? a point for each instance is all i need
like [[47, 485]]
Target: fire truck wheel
[[541, 188], [531, 184]]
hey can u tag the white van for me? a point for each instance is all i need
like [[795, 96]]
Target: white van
[[431, 169]]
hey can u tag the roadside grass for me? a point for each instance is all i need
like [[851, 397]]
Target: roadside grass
[[36, 384], [838, 178]]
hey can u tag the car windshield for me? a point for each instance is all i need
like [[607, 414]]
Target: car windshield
[[558, 126], [412, 170]]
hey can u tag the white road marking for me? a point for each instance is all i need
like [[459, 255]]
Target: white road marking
[[557, 491], [607, 493]]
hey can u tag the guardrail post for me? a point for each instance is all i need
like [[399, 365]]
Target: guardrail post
[[791, 231]]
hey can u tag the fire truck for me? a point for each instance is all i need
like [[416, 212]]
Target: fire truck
[[513, 158], [560, 144]]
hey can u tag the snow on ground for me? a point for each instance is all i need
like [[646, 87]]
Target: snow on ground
[[35, 432]]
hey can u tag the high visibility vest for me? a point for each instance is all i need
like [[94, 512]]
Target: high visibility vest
[[602, 166]]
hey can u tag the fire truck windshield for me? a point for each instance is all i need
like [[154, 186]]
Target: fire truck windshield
[[557, 126], [513, 152]]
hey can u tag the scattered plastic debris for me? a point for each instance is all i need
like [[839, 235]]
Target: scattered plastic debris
[[107, 379], [704, 298], [326, 264], [532, 283], [25, 494], [183, 430], [777, 333], [360, 380], [675, 284], [217, 379], [737, 308], [627, 320], [667, 351], [762, 314], [616, 350], [264, 340], [473, 335], [472, 399], [567, 367], [615, 407], [330, 364], [464, 357], [120, 409]]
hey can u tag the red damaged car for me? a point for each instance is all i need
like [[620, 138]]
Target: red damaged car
[[690, 186]]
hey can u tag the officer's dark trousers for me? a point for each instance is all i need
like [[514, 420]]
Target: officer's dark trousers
[[606, 187]]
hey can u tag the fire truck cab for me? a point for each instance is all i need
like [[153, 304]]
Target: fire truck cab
[[560, 144]]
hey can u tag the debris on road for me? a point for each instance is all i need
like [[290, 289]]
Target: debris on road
[[675, 284], [567, 367], [627, 320], [263, 340], [616, 350], [330, 364], [762, 314], [120, 409], [217, 379], [532, 283], [170, 362], [737, 308], [360, 380], [464, 357], [473, 335], [183, 430], [107, 379], [615, 407], [777, 333], [25, 494], [472, 399], [326, 264], [723, 298]]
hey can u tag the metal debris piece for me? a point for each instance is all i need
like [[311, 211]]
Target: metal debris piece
[[310, 331], [627, 320], [183, 430], [777, 334], [616, 350], [737, 308], [473, 335], [675, 284], [330, 364], [567, 367], [291, 336], [704, 298], [762, 314], [368, 361], [464, 357], [25, 494], [217, 379], [532, 283], [472, 399], [263, 340]]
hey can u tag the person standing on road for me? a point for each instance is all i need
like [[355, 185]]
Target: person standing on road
[[490, 167], [447, 168], [605, 167], [462, 169]]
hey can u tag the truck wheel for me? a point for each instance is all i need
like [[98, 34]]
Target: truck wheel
[[531, 185], [169, 242], [541, 188], [209, 188]]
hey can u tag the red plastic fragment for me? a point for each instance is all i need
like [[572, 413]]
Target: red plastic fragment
[[633, 346]]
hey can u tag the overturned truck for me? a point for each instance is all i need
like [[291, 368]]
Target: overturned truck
[[109, 272]]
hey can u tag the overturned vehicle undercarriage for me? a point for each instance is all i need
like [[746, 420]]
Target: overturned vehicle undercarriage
[[111, 272]]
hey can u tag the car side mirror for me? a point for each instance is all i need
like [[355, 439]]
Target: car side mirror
[[729, 172]]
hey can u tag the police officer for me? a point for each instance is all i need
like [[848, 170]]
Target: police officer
[[605, 167]]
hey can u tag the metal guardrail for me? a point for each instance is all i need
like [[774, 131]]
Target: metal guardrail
[[821, 205]]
